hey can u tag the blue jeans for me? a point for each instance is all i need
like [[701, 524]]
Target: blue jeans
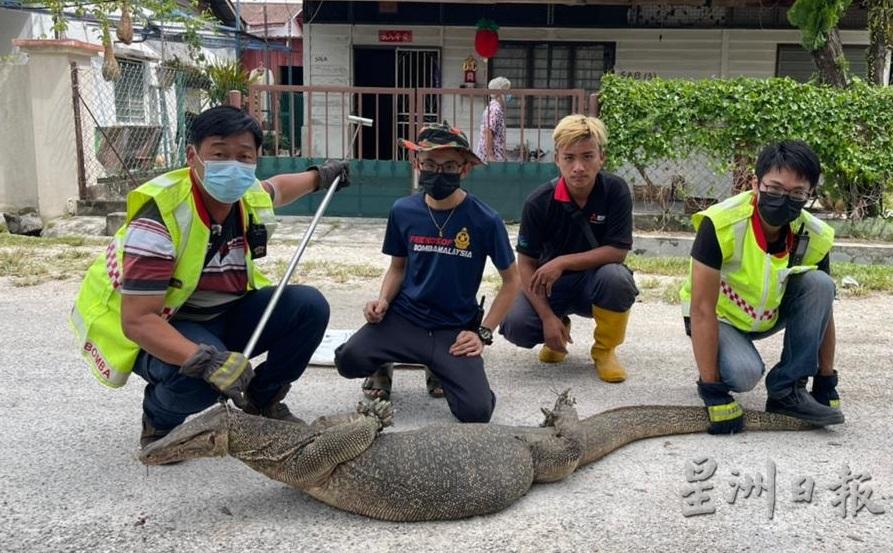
[[804, 314], [610, 287], [292, 334]]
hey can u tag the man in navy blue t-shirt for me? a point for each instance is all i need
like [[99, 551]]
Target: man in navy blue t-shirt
[[427, 311]]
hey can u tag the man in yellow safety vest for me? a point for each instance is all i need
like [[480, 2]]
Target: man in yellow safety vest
[[176, 295], [760, 263]]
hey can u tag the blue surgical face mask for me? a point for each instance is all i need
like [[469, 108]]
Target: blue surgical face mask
[[227, 180], [508, 98]]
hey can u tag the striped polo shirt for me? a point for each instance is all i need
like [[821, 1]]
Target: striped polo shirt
[[149, 260]]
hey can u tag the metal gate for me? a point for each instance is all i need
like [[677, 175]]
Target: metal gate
[[416, 68]]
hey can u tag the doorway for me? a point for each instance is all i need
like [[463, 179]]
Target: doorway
[[291, 103], [417, 68], [388, 67], [375, 67]]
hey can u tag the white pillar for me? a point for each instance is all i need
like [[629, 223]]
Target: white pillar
[[52, 119]]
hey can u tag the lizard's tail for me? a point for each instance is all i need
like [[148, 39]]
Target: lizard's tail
[[611, 430]]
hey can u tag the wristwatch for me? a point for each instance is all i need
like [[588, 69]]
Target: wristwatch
[[486, 335]]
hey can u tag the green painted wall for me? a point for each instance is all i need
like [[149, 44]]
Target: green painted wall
[[375, 185]]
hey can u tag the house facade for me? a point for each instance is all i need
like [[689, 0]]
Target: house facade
[[119, 132], [555, 46], [405, 63]]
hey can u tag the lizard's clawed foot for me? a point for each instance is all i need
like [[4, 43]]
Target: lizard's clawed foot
[[379, 409], [564, 406]]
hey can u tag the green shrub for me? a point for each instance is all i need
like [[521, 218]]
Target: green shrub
[[850, 129]]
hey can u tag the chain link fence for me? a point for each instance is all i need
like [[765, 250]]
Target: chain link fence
[[681, 186], [131, 129]]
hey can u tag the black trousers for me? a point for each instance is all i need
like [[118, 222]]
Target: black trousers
[[610, 287], [396, 340]]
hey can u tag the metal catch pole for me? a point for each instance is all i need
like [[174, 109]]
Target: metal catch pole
[[249, 349]]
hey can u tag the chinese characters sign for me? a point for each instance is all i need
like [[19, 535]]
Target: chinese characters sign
[[394, 36], [851, 492]]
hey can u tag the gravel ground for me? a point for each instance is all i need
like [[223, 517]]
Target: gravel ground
[[70, 480]]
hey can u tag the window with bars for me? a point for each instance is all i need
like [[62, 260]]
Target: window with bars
[[130, 93], [795, 62], [550, 65]]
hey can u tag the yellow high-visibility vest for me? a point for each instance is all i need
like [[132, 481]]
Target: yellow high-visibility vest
[[753, 282], [96, 316]]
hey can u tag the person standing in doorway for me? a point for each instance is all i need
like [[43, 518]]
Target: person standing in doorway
[[263, 76]]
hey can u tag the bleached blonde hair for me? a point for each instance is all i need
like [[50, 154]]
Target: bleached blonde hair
[[577, 127]]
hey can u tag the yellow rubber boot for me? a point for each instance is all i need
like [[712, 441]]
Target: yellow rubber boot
[[548, 355], [610, 330]]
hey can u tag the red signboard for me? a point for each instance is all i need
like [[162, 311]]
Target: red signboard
[[394, 36]]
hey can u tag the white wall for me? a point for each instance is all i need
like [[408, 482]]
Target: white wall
[[17, 164], [668, 53], [18, 24]]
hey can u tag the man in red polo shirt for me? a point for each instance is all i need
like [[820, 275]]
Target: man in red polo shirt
[[574, 237]]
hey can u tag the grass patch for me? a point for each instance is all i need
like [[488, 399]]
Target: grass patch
[[666, 266], [670, 291], [13, 240], [871, 278], [32, 266], [19, 263], [659, 289], [329, 270], [649, 283]]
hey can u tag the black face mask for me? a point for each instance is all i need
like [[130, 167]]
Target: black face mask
[[438, 185], [778, 212]]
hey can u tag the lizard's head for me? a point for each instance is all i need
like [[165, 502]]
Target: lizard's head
[[206, 435]]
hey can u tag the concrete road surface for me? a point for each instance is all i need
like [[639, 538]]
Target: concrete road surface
[[69, 480]]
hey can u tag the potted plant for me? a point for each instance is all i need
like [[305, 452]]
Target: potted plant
[[193, 76], [269, 145], [226, 75]]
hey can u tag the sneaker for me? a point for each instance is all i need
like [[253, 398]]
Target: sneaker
[[275, 410], [279, 411], [801, 405]]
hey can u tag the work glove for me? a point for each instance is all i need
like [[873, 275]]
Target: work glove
[[726, 416], [824, 390], [229, 372], [329, 171]]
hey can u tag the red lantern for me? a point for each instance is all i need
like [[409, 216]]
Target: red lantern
[[486, 40]]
